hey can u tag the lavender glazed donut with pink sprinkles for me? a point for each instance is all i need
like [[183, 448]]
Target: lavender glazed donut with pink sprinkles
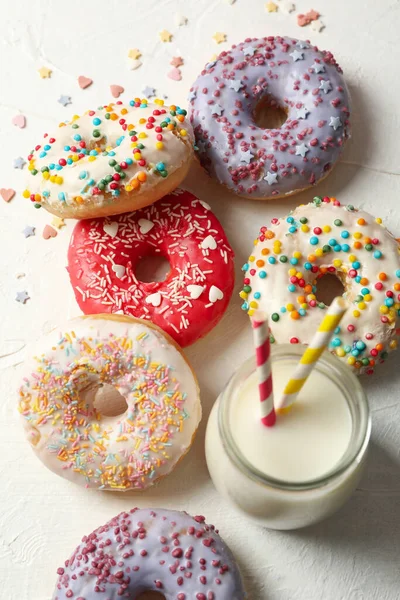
[[159, 550], [281, 73]]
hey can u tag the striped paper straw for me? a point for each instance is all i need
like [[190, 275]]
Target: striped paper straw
[[262, 346], [312, 353]]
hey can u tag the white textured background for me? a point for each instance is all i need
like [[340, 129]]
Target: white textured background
[[355, 554]]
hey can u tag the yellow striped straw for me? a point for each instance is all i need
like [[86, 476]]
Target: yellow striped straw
[[312, 353]]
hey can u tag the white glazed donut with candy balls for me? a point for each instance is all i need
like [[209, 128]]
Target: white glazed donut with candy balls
[[292, 255]]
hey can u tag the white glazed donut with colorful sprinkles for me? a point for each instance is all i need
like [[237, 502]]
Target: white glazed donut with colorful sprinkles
[[67, 431], [158, 550], [117, 158], [304, 82], [319, 238]]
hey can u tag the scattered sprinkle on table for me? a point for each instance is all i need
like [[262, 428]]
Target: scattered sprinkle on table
[[58, 222], [19, 121], [230, 1], [18, 163], [49, 232], [165, 36], [313, 15], [134, 53], [84, 82], [317, 25], [148, 92], [175, 74], [134, 64], [29, 231], [7, 194], [22, 297], [64, 100], [288, 7], [177, 61], [303, 20], [116, 90], [271, 7], [180, 20], [219, 37], [44, 72]]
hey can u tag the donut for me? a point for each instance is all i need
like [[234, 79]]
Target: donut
[[161, 407], [159, 550], [114, 159], [274, 73], [290, 259], [104, 253]]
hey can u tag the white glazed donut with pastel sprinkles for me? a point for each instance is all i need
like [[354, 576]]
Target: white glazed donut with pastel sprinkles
[[279, 72], [73, 438], [117, 158], [293, 255]]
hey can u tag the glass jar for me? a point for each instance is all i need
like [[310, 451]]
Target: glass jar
[[272, 502]]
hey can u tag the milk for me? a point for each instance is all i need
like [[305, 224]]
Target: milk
[[305, 443], [308, 464]]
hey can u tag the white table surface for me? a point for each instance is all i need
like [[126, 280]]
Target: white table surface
[[355, 554]]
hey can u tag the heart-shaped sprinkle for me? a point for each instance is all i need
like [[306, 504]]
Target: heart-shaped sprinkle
[[154, 299], [7, 194], [145, 225], [175, 74], [84, 82], [134, 64], [119, 270], [215, 294], [19, 121], [209, 243], [49, 232], [195, 291], [111, 228], [116, 90]]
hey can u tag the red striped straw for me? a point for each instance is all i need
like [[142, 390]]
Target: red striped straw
[[262, 346]]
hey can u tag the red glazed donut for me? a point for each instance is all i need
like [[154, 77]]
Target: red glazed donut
[[103, 255]]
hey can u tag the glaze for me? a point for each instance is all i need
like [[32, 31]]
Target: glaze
[[319, 238], [283, 72], [104, 253], [69, 434]]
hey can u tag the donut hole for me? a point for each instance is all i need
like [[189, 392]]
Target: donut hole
[[148, 595], [108, 401], [152, 267], [328, 287], [268, 114]]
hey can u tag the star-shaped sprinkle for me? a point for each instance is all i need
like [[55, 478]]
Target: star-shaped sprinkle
[[312, 15], [318, 67], [325, 85], [29, 231], [22, 297], [246, 156], [192, 95], [302, 113], [296, 55], [44, 72], [249, 50], [58, 222], [301, 150], [271, 178], [177, 61], [235, 84], [317, 25], [64, 100], [180, 20], [302, 45], [288, 7], [271, 7], [18, 163], [335, 122], [219, 37], [134, 53], [165, 36], [217, 109], [148, 92]]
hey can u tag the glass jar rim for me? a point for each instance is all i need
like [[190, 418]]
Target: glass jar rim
[[329, 365]]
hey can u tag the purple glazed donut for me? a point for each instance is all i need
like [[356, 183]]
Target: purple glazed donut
[[159, 550], [281, 72]]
